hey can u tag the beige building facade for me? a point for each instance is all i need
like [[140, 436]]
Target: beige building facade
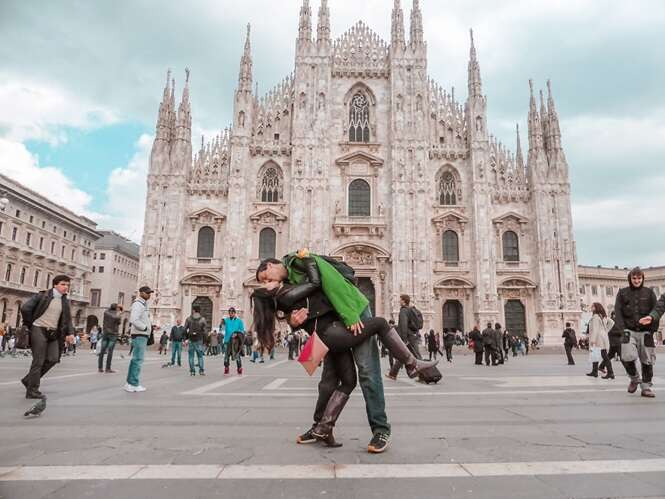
[[115, 267], [39, 240], [359, 154]]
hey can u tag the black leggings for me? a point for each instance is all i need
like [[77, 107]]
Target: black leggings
[[339, 369]]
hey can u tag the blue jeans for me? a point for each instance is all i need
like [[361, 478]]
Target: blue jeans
[[108, 344], [139, 344], [176, 347], [368, 362], [195, 347]]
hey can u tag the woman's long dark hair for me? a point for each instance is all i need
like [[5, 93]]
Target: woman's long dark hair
[[597, 308], [263, 310]]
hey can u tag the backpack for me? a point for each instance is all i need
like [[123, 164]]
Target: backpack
[[415, 319]]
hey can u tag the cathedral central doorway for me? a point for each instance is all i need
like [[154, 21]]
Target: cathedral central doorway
[[515, 317], [453, 315], [205, 305], [366, 286]]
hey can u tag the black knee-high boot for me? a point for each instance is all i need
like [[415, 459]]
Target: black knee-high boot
[[391, 339], [594, 370], [323, 430]]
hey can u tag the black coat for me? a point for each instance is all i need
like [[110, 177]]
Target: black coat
[[631, 305], [488, 337], [569, 337], [35, 307]]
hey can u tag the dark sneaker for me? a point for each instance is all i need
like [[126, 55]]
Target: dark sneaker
[[307, 437], [379, 443], [34, 394], [632, 387], [648, 392]]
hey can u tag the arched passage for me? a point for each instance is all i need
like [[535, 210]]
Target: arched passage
[[515, 317], [453, 315]]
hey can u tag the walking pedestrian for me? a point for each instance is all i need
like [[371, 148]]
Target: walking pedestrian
[[233, 325], [176, 337], [599, 325], [141, 327], [94, 335], [111, 325], [195, 332], [498, 343], [407, 327], [163, 343], [432, 344], [48, 315], [448, 343], [569, 342], [476, 342], [488, 344], [632, 306]]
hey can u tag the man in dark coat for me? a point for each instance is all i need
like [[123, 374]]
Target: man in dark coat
[[633, 304], [498, 343], [111, 326], [569, 342], [488, 344], [477, 339], [49, 318]]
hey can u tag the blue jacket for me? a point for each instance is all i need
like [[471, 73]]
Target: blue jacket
[[231, 326]]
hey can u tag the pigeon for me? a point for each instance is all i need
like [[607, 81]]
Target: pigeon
[[36, 409]]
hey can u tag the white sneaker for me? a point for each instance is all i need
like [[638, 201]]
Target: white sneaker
[[130, 388], [139, 388]]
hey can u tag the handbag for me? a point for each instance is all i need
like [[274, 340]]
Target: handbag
[[312, 353], [151, 339]]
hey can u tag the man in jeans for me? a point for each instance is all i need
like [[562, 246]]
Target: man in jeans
[[195, 332], [176, 337], [111, 325], [366, 356], [141, 326], [569, 342], [48, 316], [633, 303]]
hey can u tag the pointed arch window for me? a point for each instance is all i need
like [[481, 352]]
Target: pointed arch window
[[359, 199], [359, 119], [447, 189], [511, 247], [206, 243], [270, 186], [267, 243], [450, 247]]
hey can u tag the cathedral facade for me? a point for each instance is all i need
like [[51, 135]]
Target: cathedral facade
[[359, 154]]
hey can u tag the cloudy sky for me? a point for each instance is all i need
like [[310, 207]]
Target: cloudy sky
[[80, 84]]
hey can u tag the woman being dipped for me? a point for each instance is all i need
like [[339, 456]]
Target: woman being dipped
[[322, 318]]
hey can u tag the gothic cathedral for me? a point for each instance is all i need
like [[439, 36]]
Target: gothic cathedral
[[360, 155]]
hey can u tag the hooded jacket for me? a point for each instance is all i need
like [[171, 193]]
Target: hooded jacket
[[633, 303]]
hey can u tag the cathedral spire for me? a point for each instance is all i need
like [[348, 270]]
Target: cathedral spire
[[305, 27], [519, 158], [184, 110], [474, 81], [555, 130], [416, 24], [397, 26], [535, 128], [323, 27], [545, 123], [245, 73], [162, 128]]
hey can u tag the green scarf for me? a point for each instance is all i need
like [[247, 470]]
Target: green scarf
[[346, 299]]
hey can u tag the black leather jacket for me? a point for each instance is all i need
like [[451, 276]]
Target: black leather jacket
[[631, 305], [35, 307], [308, 295]]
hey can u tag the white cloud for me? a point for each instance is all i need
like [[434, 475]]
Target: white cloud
[[126, 193], [39, 111], [19, 164]]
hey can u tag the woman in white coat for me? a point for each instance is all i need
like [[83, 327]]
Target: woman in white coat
[[599, 325]]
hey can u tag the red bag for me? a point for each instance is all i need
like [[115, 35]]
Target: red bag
[[313, 353]]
